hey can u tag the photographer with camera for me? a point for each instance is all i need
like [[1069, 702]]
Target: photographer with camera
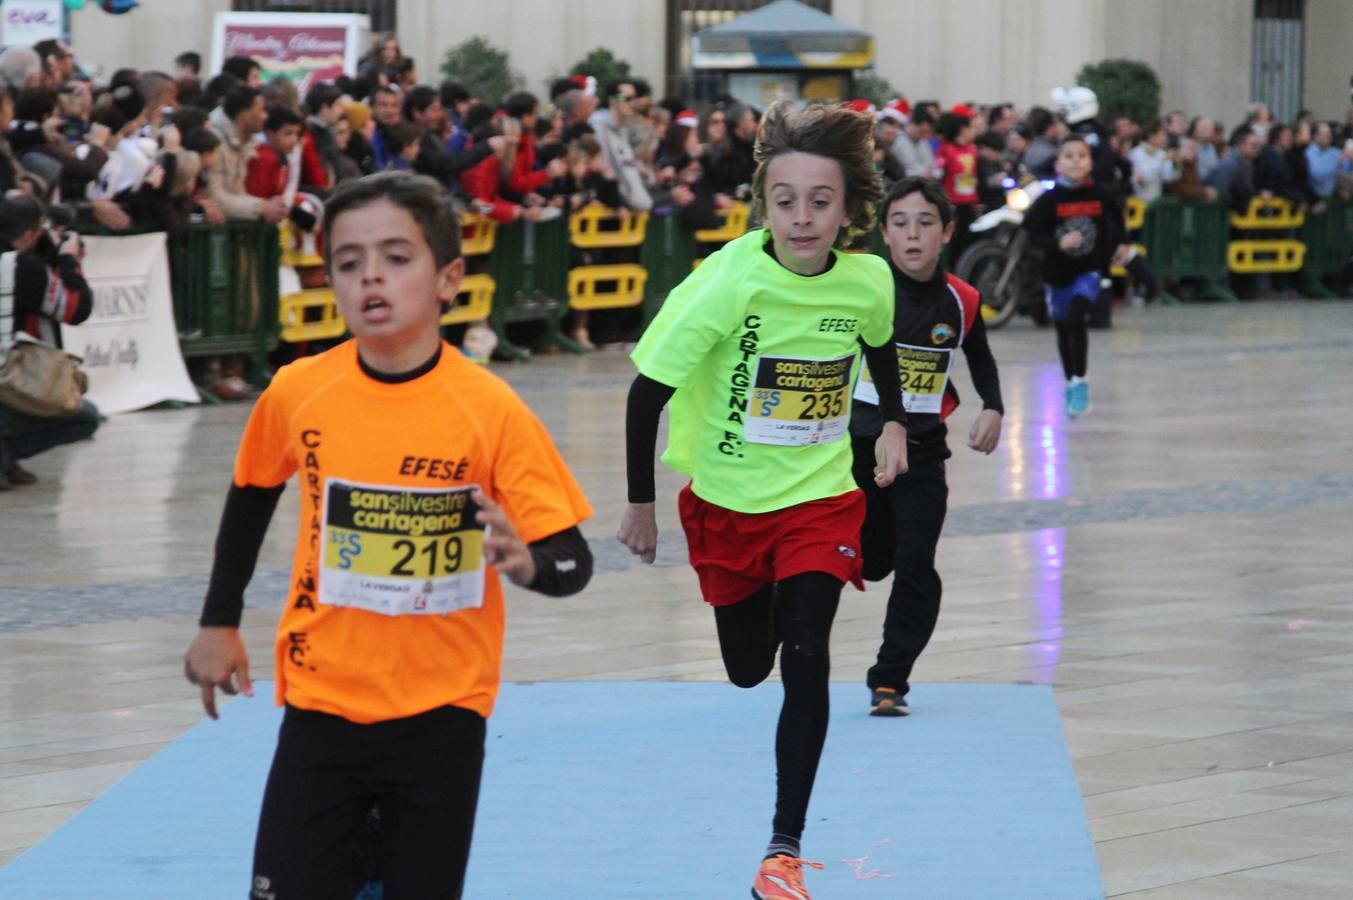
[[43, 288]]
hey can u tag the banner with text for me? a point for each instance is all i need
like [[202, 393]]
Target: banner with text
[[129, 342], [306, 47], [25, 22]]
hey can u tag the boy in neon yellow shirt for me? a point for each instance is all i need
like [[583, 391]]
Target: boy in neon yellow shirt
[[758, 352]]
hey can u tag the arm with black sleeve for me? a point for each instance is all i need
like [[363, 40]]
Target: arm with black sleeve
[[647, 397], [982, 365], [985, 433], [1038, 222], [244, 523], [890, 450], [563, 561], [882, 362], [638, 525], [217, 658], [643, 410]]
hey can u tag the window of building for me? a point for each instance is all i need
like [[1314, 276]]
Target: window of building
[[1278, 56]]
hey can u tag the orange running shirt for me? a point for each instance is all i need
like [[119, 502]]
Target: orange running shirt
[[391, 610]]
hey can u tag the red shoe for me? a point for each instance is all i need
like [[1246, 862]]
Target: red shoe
[[232, 389], [781, 878]]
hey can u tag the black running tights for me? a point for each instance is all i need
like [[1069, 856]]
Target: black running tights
[[1073, 341], [795, 616], [422, 773]]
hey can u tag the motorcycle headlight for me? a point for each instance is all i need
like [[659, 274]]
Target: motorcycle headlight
[[1018, 199]]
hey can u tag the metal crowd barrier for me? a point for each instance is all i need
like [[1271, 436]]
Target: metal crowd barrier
[[1187, 239], [1135, 216], [616, 285], [1328, 236], [474, 303], [226, 284], [1258, 251], [306, 314], [529, 266], [225, 290]]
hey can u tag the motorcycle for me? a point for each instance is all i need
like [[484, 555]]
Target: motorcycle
[[1002, 264]]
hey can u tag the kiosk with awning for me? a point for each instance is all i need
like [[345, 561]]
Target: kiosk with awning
[[784, 50]]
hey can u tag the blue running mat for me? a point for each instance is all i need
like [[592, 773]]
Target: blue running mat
[[648, 789]]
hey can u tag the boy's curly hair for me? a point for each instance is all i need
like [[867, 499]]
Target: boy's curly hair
[[835, 132]]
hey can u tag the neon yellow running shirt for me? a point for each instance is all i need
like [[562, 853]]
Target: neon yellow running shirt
[[764, 362]]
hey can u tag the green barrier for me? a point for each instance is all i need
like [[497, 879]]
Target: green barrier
[[1328, 237], [225, 291], [225, 288], [529, 265], [667, 252], [1188, 239]]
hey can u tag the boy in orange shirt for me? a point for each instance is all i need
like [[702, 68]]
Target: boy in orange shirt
[[423, 478]]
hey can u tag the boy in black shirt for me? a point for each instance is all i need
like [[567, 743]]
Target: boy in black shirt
[[934, 314], [1080, 227]]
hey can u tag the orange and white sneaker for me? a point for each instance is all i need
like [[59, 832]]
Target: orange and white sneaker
[[781, 878]]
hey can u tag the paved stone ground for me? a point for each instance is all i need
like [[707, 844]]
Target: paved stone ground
[[1176, 565], [28, 609]]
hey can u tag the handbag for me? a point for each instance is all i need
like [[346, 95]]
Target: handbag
[[36, 379]]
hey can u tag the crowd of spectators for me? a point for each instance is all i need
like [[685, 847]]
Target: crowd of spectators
[[979, 151], [1306, 162], [150, 149]]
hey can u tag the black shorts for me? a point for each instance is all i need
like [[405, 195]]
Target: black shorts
[[316, 837]]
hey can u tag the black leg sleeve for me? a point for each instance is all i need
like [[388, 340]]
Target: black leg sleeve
[[805, 606], [747, 637], [1080, 334], [1065, 348]]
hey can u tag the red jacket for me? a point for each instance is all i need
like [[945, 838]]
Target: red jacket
[[481, 182], [525, 178], [267, 173], [313, 172]]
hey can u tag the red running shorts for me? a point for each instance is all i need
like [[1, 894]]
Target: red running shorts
[[736, 554]]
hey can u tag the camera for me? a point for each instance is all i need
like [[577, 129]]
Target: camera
[[60, 216], [60, 219]]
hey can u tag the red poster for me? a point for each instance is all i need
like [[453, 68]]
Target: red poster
[[305, 55]]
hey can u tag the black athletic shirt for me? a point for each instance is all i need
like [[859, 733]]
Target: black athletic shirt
[[1090, 209], [929, 314]]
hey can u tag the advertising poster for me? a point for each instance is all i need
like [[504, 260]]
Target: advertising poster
[[306, 47]]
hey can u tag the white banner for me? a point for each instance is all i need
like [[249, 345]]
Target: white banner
[[129, 342], [28, 21]]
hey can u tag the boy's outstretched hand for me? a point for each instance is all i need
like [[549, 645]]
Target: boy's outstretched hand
[[890, 454], [502, 548], [986, 431], [639, 531], [217, 659]]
